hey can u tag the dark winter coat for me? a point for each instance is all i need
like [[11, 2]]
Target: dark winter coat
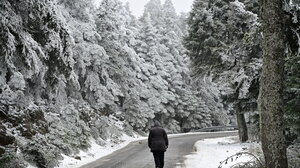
[[158, 139]]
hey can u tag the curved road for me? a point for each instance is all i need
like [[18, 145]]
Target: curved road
[[138, 155]]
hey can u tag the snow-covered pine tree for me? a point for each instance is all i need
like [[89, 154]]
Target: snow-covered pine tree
[[126, 69], [154, 9], [222, 41], [111, 27], [170, 19], [36, 60], [80, 9], [152, 75], [172, 65]]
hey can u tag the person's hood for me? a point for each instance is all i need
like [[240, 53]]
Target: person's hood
[[157, 124]]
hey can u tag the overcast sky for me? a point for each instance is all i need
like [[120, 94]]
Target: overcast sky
[[137, 6]]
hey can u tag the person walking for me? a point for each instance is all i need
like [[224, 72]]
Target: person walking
[[158, 143]]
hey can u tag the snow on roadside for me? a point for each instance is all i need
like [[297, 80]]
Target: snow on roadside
[[210, 152], [95, 152]]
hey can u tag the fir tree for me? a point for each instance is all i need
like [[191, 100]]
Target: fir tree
[[222, 42]]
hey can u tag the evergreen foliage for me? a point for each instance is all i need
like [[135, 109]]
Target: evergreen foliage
[[70, 71], [292, 67], [223, 43]]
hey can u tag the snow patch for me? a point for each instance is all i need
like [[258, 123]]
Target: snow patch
[[210, 152]]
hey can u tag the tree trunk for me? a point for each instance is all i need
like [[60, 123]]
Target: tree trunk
[[242, 127], [271, 86]]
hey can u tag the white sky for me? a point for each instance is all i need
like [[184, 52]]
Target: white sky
[[137, 6]]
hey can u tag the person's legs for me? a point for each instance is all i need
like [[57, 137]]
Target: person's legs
[[156, 159], [161, 159]]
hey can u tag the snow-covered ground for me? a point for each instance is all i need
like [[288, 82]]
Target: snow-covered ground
[[210, 152]]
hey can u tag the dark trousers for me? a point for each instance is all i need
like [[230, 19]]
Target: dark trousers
[[159, 158]]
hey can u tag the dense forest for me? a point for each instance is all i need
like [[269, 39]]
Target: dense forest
[[71, 71]]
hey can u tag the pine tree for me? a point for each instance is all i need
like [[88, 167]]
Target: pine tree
[[292, 74], [172, 65], [221, 41], [292, 106], [79, 9], [170, 19], [154, 9]]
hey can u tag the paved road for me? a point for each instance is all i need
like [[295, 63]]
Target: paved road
[[138, 155]]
